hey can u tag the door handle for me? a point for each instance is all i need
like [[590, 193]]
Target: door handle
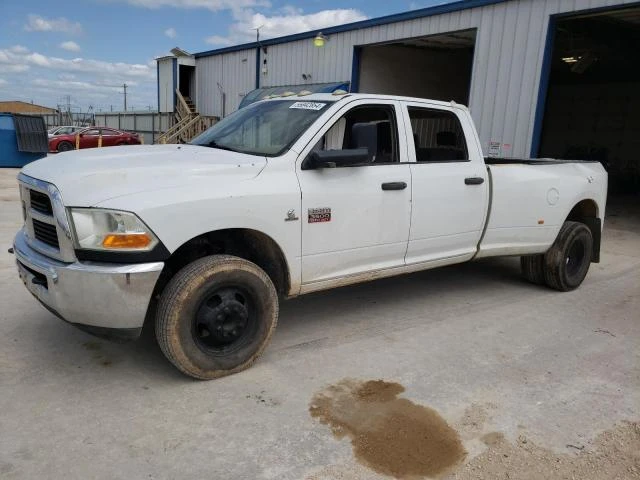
[[394, 185], [473, 181]]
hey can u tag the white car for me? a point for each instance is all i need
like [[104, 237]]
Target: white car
[[285, 197], [64, 130]]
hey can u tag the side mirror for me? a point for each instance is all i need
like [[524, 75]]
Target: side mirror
[[335, 158]]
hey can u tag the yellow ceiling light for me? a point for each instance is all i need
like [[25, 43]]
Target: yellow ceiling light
[[320, 40]]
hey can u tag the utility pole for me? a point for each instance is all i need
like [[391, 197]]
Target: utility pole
[[124, 87], [258, 63]]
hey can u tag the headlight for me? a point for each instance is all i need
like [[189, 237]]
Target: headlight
[[98, 229]]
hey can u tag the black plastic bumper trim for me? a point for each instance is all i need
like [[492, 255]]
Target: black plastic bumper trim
[[158, 254]]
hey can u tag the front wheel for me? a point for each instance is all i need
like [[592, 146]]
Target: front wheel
[[216, 316], [567, 262]]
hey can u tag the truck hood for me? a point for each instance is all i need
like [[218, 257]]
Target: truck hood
[[88, 177]]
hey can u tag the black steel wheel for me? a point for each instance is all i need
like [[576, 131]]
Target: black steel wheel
[[224, 319], [216, 316], [567, 262]]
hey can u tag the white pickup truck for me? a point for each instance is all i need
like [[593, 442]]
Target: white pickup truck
[[288, 196]]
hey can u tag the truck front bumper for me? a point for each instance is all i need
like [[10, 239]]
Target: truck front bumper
[[108, 300]]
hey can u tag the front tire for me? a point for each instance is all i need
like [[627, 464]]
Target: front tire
[[216, 316], [567, 262]]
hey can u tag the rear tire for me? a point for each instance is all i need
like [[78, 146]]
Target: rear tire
[[567, 262], [532, 267], [216, 316], [64, 147]]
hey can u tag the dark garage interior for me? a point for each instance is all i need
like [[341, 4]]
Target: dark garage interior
[[593, 96], [435, 66]]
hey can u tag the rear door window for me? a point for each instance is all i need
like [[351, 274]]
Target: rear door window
[[437, 135]]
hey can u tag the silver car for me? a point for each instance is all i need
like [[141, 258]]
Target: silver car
[[64, 130]]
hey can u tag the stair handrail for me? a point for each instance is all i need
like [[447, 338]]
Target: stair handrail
[[162, 138], [182, 108], [176, 135]]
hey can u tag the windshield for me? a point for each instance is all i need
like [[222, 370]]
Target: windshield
[[265, 128]]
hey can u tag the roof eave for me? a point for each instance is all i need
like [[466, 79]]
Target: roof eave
[[441, 9]]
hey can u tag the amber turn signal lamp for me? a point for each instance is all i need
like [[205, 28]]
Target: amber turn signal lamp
[[126, 240]]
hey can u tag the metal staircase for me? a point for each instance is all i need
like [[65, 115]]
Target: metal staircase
[[189, 123]]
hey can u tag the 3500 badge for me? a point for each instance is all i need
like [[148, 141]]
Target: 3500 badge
[[317, 215]]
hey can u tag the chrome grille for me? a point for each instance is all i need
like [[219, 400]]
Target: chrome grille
[[45, 220], [46, 233], [40, 202]]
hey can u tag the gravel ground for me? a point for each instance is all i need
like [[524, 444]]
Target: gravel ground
[[534, 384]]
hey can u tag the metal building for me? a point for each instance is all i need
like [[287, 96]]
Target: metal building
[[541, 77]]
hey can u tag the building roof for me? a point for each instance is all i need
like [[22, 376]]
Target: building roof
[[178, 52], [18, 106], [372, 22]]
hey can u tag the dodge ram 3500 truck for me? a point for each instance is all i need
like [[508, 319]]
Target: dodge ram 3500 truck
[[288, 196]]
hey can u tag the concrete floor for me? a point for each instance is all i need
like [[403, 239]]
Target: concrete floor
[[556, 367]]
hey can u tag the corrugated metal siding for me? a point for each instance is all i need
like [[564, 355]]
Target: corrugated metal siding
[[505, 81], [232, 73], [165, 84]]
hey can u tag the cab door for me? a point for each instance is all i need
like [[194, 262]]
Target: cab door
[[450, 184], [355, 219]]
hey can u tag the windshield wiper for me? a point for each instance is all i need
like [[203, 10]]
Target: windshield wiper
[[213, 144]]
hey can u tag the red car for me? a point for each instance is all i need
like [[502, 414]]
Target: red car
[[89, 139]]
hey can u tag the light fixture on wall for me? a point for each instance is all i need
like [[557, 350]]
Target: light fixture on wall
[[319, 40]]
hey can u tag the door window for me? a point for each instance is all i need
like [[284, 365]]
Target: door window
[[92, 132], [372, 127], [437, 136]]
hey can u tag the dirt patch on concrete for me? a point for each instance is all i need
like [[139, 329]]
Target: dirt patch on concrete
[[391, 435], [613, 455], [471, 425]]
